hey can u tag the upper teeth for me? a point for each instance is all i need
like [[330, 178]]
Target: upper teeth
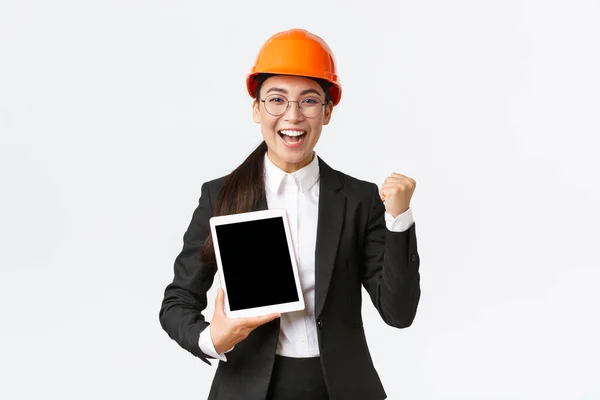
[[292, 133]]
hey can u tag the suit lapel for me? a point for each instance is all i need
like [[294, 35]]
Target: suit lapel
[[332, 204]]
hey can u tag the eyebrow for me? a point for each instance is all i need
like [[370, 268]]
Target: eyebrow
[[302, 93]]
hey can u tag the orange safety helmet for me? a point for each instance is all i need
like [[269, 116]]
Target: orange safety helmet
[[296, 52]]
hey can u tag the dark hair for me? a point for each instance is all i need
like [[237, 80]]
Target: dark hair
[[244, 188]]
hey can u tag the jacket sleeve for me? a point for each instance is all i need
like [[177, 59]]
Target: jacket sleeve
[[185, 297], [391, 268]]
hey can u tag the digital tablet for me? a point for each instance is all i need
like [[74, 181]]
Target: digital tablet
[[256, 263]]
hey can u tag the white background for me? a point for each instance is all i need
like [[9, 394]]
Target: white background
[[113, 113]]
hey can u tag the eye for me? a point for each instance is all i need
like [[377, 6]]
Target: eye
[[310, 101], [276, 100]]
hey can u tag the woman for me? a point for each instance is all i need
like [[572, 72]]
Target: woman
[[349, 234]]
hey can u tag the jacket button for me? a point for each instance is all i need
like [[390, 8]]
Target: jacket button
[[320, 324], [413, 258]]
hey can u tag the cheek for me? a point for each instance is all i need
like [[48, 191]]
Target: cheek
[[268, 122], [316, 129]]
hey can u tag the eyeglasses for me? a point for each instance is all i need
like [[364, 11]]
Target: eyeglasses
[[277, 105]]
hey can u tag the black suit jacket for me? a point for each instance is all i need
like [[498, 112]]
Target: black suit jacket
[[353, 248]]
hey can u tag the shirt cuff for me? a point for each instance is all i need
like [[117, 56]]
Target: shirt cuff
[[206, 345], [401, 223]]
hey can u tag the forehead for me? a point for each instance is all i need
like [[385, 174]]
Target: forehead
[[291, 84]]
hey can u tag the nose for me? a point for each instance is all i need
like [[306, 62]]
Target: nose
[[293, 113]]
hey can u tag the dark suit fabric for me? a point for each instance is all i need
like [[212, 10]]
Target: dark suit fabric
[[297, 379], [353, 248]]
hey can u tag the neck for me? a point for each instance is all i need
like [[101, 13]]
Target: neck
[[290, 168]]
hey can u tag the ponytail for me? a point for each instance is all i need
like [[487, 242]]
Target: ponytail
[[242, 191]]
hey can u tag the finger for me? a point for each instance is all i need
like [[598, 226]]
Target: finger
[[397, 185], [387, 190], [267, 318], [402, 179], [220, 302], [264, 319], [257, 321], [395, 179], [395, 174]]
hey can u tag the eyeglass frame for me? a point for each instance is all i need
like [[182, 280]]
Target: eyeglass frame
[[288, 106]]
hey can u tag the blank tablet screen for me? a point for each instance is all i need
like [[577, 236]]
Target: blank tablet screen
[[256, 263]]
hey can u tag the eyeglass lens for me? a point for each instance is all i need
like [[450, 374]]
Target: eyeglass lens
[[277, 105]]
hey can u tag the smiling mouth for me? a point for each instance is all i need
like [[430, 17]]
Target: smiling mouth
[[292, 136]]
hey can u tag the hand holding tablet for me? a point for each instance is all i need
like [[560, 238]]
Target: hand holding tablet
[[226, 332], [258, 273]]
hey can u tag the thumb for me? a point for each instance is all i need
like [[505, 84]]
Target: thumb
[[220, 302]]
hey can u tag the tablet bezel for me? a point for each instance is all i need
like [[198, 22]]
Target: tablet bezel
[[253, 216]]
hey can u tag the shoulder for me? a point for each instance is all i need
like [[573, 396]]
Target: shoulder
[[214, 184], [351, 186], [357, 187], [211, 188]]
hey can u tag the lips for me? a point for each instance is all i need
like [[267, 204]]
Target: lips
[[292, 138]]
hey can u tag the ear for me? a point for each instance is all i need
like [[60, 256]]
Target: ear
[[255, 112], [328, 112]]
